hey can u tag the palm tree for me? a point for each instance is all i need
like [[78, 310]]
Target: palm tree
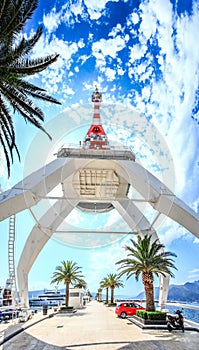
[[15, 92], [89, 294], [99, 294], [148, 259], [69, 272], [80, 284], [105, 284], [114, 282]]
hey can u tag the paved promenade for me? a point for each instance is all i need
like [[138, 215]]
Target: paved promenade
[[94, 328]]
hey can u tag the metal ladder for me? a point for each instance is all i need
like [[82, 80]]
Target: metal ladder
[[11, 257]]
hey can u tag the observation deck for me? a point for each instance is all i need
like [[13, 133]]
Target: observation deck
[[107, 152]]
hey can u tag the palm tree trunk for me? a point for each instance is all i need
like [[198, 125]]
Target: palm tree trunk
[[67, 293], [150, 306], [112, 295], [107, 295]]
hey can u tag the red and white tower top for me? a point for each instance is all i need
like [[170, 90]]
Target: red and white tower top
[[96, 136]]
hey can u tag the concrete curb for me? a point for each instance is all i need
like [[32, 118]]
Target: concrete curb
[[158, 327]]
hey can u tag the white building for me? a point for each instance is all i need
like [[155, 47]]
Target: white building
[[76, 297]]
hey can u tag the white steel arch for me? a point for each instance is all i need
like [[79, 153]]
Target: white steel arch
[[30, 191], [39, 184]]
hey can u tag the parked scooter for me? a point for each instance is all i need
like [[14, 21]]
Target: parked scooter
[[176, 322]]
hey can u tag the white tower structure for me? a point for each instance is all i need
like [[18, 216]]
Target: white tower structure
[[94, 177]]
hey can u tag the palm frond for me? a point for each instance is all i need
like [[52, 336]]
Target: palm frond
[[12, 54], [68, 271], [19, 100], [15, 65], [26, 88], [7, 156], [13, 17], [32, 66], [147, 257]]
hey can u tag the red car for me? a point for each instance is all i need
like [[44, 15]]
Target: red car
[[127, 308]]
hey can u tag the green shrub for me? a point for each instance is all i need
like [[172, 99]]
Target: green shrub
[[141, 313], [66, 307], [151, 315], [156, 315]]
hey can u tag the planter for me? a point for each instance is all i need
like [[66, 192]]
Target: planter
[[67, 310], [148, 324], [111, 304]]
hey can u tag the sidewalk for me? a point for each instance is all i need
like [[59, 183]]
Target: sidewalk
[[8, 329], [97, 328]]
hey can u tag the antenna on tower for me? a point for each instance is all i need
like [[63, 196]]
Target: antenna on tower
[[96, 95]]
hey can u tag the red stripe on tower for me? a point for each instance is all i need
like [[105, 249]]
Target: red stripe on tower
[[96, 137]]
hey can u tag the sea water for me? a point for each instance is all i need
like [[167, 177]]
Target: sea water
[[188, 312]]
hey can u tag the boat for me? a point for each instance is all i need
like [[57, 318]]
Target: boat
[[49, 297], [6, 295]]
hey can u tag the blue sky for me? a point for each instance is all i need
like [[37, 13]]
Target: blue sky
[[143, 55]]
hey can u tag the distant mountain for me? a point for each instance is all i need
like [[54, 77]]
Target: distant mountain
[[188, 292]]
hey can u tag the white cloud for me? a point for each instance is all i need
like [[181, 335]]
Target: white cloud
[[115, 30], [110, 74], [195, 271], [77, 8], [170, 231], [54, 76], [133, 19], [68, 90], [170, 100], [95, 8], [67, 15], [120, 70], [76, 69], [109, 47], [196, 240], [193, 275], [137, 52], [65, 48], [100, 59], [97, 269], [52, 20]]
